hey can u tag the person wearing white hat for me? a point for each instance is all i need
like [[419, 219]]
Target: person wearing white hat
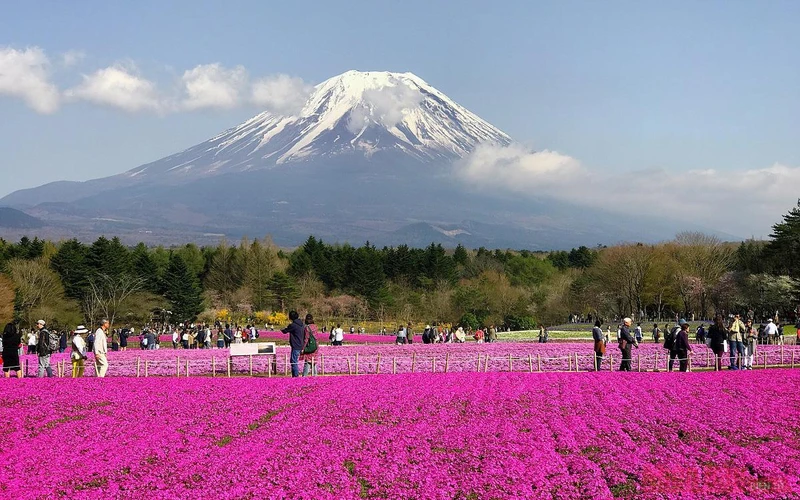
[[47, 344], [78, 355]]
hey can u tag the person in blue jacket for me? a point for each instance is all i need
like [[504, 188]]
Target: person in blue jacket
[[296, 330]]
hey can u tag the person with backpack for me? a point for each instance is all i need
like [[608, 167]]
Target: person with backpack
[[669, 343], [48, 344], [599, 345], [700, 334], [296, 331], [401, 335], [717, 337], [310, 347], [682, 347]]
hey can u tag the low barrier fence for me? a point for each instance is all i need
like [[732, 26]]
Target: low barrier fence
[[378, 363]]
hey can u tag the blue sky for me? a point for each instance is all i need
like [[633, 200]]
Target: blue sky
[[620, 86]]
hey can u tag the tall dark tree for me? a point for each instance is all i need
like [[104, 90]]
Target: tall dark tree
[[368, 279], [144, 267], [783, 249], [283, 289], [460, 256], [71, 262], [182, 289], [109, 258]]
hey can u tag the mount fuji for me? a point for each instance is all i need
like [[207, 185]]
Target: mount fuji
[[368, 157]]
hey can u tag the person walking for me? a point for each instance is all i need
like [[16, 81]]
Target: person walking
[[123, 339], [12, 341], [409, 334], [626, 341], [47, 344], [638, 333], [717, 336], [78, 356], [309, 359], [682, 347], [62, 342], [599, 345], [656, 333], [101, 349], [771, 331], [296, 331], [736, 342]]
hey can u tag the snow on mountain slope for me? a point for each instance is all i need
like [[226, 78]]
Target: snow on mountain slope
[[363, 113]]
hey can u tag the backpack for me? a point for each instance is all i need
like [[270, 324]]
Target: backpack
[[669, 338], [311, 346], [43, 345]]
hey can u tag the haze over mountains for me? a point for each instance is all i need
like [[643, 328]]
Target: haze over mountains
[[370, 156]]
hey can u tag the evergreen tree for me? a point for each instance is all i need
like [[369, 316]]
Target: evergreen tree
[[109, 257], [182, 290], [283, 289], [783, 250], [368, 279], [460, 256], [71, 262], [144, 267]]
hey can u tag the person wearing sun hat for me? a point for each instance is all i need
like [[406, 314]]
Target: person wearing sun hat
[[78, 355]]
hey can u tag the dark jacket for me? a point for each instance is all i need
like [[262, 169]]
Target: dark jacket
[[296, 332], [597, 334], [682, 341], [718, 337], [625, 334]]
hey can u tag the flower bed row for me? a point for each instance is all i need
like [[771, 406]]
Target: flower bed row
[[496, 435], [440, 358]]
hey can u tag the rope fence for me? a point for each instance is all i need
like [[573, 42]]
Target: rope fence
[[360, 364]]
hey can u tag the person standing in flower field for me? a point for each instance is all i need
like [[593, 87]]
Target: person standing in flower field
[[32, 341], [78, 356], [401, 335], [599, 345], [338, 335], [736, 342], [669, 343], [656, 333], [48, 344], [682, 347], [750, 343], [626, 341], [638, 333], [717, 336], [409, 334], [12, 341], [296, 331], [101, 349], [309, 344]]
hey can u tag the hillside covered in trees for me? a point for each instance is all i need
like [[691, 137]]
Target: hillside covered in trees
[[70, 282]]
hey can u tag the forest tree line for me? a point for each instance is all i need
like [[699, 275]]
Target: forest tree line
[[70, 282]]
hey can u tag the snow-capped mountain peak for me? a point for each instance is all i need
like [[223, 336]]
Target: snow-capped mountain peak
[[364, 113]]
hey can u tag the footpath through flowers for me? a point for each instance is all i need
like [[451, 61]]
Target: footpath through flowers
[[458, 435]]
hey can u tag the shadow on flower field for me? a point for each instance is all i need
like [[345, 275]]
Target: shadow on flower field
[[452, 436]]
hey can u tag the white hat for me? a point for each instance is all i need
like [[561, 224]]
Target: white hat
[[40, 322], [81, 329]]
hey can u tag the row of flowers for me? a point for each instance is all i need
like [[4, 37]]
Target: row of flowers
[[380, 358], [496, 435]]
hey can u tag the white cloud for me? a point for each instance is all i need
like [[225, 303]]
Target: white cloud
[[214, 86], [281, 94], [120, 87], [72, 57], [25, 74], [386, 106], [739, 202]]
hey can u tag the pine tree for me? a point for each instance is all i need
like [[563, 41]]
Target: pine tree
[[368, 278], [182, 290], [784, 248], [109, 257], [144, 267], [71, 262], [283, 289]]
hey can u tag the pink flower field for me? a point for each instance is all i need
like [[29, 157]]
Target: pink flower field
[[413, 436]]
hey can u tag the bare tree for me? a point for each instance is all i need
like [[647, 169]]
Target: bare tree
[[36, 284], [108, 294]]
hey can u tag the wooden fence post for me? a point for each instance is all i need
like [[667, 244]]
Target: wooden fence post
[[187, 367], [138, 366], [569, 363], [413, 362], [611, 362], [251, 365], [510, 363], [285, 364], [178, 366], [146, 364], [478, 368], [378, 365], [447, 362], [576, 362], [322, 362], [394, 365], [530, 363], [781, 354], [229, 366], [213, 367], [539, 361], [765, 360], [639, 362], [793, 359], [349, 366], [356, 363], [433, 363]]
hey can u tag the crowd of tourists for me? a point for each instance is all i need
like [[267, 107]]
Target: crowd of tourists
[[44, 343], [737, 338]]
